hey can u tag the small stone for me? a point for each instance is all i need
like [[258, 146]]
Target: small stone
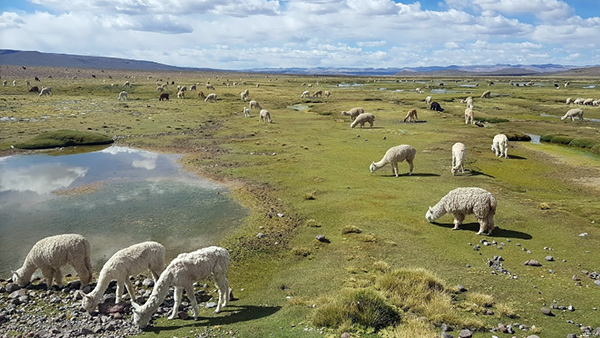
[[549, 258], [322, 238], [583, 234], [533, 262], [547, 312], [462, 288], [345, 335], [447, 335], [210, 305], [465, 334], [571, 308], [597, 282], [446, 328], [260, 235], [183, 315]]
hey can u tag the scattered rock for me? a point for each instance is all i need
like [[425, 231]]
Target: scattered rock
[[323, 239], [547, 312], [532, 262], [465, 334], [549, 258], [345, 335]]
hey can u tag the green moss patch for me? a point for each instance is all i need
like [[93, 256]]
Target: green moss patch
[[64, 138]]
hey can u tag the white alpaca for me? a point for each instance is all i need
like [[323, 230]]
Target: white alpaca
[[126, 84], [500, 145], [469, 116], [181, 94], [46, 91], [304, 94], [123, 96], [464, 201], [459, 152], [428, 100], [486, 94], [255, 104], [124, 263], [244, 95], [327, 93], [182, 272], [362, 119], [393, 156], [246, 112], [318, 93], [50, 253], [353, 113], [212, 97], [265, 116], [572, 114]]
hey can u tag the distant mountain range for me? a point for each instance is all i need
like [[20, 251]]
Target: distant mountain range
[[33, 58]]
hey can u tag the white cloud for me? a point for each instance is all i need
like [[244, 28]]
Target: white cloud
[[10, 20]]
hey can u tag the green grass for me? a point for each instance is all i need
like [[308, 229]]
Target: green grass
[[310, 166], [64, 138]]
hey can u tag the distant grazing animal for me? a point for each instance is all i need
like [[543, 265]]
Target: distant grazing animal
[[411, 116], [318, 93], [163, 97], [201, 95], [464, 201], [209, 86], [181, 94], [459, 152], [34, 89], [572, 114], [255, 104], [246, 112], [37, 79], [50, 254], [569, 100], [428, 100], [393, 156], [500, 145], [4, 83], [122, 96], [362, 119], [469, 116], [265, 116], [326, 93], [126, 84], [436, 106], [46, 91], [353, 113], [212, 97], [304, 94], [486, 94], [244, 95]]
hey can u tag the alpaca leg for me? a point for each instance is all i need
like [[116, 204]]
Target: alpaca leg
[[120, 286], [191, 295], [85, 274], [410, 166], [177, 296], [130, 289], [58, 277], [223, 286], [458, 219], [395, 168], [48, 274]]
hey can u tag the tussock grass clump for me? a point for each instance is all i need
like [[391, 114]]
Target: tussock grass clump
[[364, 308], [478, 302], [311, 223], [585, 143], [309, 196], [64, 138], [411, 327], [351, 229], [305, 252]]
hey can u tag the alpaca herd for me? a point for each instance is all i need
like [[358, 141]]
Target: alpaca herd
[[51, 253]]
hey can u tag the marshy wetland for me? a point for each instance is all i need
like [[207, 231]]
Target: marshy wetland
[[383, 270]]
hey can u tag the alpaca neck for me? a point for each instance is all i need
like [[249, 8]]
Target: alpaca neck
[[159, 293], [102, 284], [381, 163], [26, 271]]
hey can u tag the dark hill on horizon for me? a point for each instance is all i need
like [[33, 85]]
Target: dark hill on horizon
[[33, 58]]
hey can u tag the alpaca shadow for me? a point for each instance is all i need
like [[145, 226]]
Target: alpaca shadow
[[413, 122], [498, 232], [516, 157], [477, 173], [413, 174], [233, 314]]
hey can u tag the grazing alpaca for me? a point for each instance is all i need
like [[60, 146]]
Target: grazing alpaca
[[50, 253], [459, 151], [124, 263], [362, 119], [469, 116], [411, 116], [572, 114], [182, 272], [464, 201], [500, 145], [393, 156]]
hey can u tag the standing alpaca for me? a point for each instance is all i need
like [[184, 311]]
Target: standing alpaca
[[459, 151], [500, 145], [124, 263], [50, 253], [464, 201], [393, 156], [469, 117], [182, 272]]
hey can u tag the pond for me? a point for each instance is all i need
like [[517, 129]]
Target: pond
[[115, 197]]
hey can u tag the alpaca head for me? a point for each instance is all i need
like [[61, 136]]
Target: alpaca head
[[140, 319], [87, 302], [429, 215], [372, 167], [18, 279]]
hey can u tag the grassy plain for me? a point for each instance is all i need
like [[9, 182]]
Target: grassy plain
[[312, 169]]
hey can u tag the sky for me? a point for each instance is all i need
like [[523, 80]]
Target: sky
[[237, 35]]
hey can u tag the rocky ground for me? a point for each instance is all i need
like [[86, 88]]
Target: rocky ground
[[35, 311]]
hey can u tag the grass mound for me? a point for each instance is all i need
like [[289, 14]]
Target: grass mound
[[64, 138], [571, 141]]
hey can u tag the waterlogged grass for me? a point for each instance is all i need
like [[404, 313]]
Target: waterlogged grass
[[307, 174]]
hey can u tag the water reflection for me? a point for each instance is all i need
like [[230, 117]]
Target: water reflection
[[115, 197]]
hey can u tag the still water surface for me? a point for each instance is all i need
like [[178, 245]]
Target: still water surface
[[115, 197]]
